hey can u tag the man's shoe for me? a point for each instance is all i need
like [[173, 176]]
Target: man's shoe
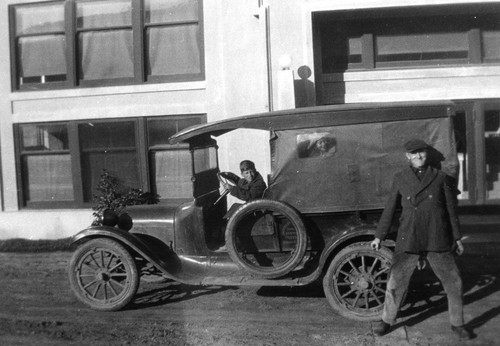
[[381, 328], [462, 332]]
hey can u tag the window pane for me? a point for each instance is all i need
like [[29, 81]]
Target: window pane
[[44, 137], [98, 14], [173, 50], [39, 18], [48, 178], [107, 135], [42, 56], [161, 11], [492, 150], [341, 45], [172, 173], [424, 46], [355, 50], [463, 156], [159, 130], [204, 159], [110, 146], [106, 54], [121, 164], [491, 44]]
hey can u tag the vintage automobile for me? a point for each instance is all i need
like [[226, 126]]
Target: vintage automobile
[[314, 222]]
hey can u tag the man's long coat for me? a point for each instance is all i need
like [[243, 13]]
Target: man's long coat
[[429, 220]]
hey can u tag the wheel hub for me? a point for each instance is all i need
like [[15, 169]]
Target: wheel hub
[[102, 275], [362, 282]]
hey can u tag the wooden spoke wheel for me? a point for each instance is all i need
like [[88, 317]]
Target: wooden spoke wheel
[[356, 280], [103, 275]]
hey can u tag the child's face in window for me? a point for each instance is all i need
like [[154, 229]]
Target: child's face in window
[[248, 175], [322, 145]]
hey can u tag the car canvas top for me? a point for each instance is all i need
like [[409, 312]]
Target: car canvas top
[[318, 116]]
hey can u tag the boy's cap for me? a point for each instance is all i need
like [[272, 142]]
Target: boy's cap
[[414, 145]]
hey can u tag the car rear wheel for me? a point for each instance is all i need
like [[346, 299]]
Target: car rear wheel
[[356, 280], [103, 275], [267, 238]]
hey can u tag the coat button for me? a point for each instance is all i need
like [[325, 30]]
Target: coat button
[[408, 197]]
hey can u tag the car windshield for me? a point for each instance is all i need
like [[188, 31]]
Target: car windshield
[[204, 159]]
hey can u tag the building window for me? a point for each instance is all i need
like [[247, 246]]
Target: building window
[[170, 166], [46, 162], [40, 44], [78, 43], [364, 40], [60, 164], [104, 40], [111, 146], [172, 29]]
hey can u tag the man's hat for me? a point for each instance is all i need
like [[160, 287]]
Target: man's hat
[[414, 145]]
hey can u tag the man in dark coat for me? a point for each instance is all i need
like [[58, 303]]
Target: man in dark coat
[[429, 228]]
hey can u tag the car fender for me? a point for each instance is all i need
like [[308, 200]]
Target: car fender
[[166, 264], [359, 234]]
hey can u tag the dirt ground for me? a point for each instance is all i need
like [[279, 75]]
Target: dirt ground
[[37, 307]]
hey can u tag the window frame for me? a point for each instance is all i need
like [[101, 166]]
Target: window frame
[[15, 69], [142, 150], [179, 77], [151, 149], [102, 82], [351, 20], [474, 121], [139, 50]]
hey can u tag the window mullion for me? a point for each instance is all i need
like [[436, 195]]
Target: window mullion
[[474, 36], [368, 53], [142, 154], [201, 41], [138, 39], [19, 167], [70, 26], [74, 149], [13, 51]]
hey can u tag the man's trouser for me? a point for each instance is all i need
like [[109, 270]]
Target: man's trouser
[[444, 266]]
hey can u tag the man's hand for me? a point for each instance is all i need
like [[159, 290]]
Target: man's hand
[[375, 244], [459, 248], [226, 186]]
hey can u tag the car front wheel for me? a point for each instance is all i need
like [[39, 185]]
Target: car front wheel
[[103, 275]]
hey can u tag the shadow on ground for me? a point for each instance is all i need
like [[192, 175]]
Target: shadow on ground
[[168, 292], [426, 297]]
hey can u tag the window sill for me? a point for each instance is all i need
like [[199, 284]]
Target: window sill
[[413, 73], [107, 90]]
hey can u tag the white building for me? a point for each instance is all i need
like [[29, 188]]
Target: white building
[[100, 84]]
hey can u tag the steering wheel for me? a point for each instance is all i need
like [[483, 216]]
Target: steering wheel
[[223, 181]]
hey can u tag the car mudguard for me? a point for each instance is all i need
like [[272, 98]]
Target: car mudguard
[[362, 233], [167, 262]]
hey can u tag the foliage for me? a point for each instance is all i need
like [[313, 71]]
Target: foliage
[[113, 195]]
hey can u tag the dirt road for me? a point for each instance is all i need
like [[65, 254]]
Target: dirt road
[[38, 307]]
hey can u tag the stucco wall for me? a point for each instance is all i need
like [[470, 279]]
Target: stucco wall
[[292, 35], [236, 84]]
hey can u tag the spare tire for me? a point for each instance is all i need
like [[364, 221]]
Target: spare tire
[[266, 237]]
